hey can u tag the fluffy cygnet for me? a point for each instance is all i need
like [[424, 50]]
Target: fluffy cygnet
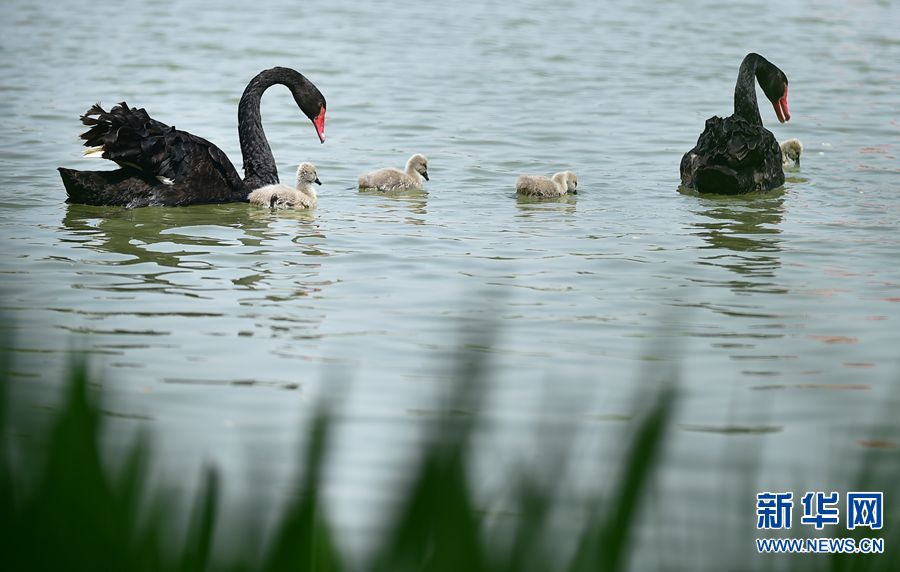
[[790, 151], [540, 186], [391, 179], [285, 197]]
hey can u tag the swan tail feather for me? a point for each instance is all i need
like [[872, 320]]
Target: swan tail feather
[[128, 135]]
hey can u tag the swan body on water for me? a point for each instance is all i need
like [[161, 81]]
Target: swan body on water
[[791, 151], [161, 165], [737, 155], [562, 183], [303, 196], [390, 179]]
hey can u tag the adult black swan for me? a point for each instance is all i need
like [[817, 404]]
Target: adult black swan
[[161, 165], [737, 155]]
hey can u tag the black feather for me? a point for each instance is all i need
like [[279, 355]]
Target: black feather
[[733, 156], [146, 149], [737, 155], [199, 172]]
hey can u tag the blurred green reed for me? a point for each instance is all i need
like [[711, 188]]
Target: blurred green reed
[[63, 510]]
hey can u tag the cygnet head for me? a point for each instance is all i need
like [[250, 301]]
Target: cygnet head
[[569, 179], [792, 149], [306, 174], [419, 163]]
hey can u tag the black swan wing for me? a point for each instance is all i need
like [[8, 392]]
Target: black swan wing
[[195, 169], [733, 156], [128, 136]]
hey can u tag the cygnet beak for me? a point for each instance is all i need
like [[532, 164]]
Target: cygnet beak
[[425, 174], [317, 181]]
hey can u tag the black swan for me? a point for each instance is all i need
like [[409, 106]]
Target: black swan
[[737, 155], [161, 165]]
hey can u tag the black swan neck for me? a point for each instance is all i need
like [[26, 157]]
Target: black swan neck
[[745, 104], [259, 164]]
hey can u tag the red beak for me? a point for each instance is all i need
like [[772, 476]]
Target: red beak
[[319, 122], [781, 108]]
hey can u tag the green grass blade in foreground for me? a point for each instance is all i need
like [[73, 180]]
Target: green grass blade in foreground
[[303, 540], [63, 509], [198, 544], [438, 527], [71, 505], [606, 541]]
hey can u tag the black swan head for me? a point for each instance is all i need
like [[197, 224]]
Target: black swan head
[[775, 85], [307, 96]]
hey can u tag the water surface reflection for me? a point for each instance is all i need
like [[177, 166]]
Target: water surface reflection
[[742, 235], [145, 262], [411, 204]]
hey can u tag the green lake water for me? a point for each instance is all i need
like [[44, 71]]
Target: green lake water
[[220, 326]]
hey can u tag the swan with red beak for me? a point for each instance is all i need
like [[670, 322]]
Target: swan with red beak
[[737, 154]]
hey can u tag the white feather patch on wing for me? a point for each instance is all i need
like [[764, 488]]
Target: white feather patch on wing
[[165, 180], [93, 152]]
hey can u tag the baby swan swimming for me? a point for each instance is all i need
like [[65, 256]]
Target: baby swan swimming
[[396, 180], [285, 197], [790, 151], [544, 187]]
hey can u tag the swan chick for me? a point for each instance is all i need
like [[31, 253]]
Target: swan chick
[[390, 179], [790, 151], [564, 182], [285, 197]]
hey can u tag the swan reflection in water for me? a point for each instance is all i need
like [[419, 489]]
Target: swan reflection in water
[[529, 206], [157, 245], [743, 236], [410, 203], [193, 281]]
